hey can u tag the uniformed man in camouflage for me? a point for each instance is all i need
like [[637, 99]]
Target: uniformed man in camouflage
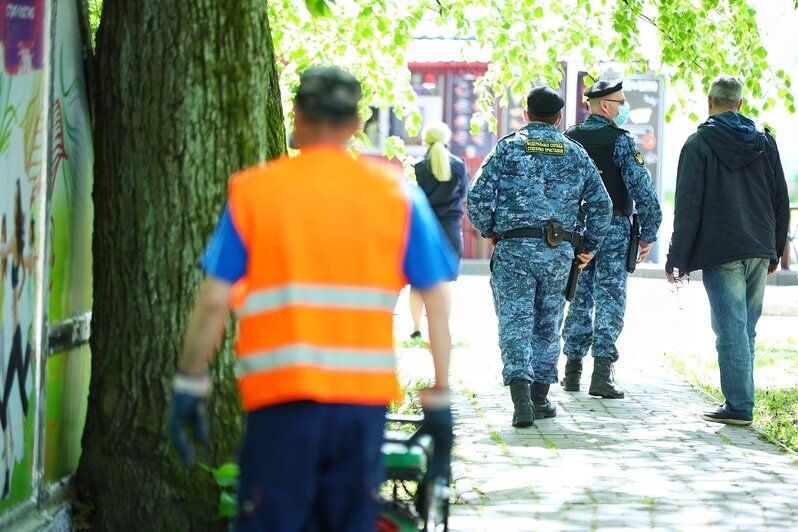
[[603, 282], [526, 198]]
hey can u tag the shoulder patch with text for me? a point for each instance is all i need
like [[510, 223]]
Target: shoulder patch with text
[[639, 158], [545, 147]]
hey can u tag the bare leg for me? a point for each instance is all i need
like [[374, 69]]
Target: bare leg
[[449, 297], [416, 306]]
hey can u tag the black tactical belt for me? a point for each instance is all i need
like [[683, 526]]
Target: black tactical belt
[[536, 232]]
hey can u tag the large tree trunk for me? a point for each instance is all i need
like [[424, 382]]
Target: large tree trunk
[[186, 93]]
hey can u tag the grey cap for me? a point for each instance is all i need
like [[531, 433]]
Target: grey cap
[[543, 101], [328, 94]]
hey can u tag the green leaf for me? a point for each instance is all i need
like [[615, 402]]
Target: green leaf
[[227, 474], [319, 8], [228, 505], [539, 12]]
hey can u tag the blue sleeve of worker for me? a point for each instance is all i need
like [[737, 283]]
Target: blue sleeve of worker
[[429, 258], [225, 257], [640, 186], [483, 194]]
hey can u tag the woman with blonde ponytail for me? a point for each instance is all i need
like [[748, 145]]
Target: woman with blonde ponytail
[[444, 179]]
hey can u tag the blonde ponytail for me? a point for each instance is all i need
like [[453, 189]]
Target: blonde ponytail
[[436, 136]]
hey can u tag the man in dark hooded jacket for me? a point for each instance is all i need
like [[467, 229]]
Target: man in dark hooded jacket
[[730, 221]]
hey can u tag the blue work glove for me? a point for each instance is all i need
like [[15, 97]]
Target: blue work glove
[[188, 409], [438, 424]]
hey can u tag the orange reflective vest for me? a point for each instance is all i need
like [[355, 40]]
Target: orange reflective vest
[[326, 237]]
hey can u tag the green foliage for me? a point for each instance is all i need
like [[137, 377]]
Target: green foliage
[[94, 11], [368, 38], [226, 476], [526, 41], [318, 8], [702, 40]]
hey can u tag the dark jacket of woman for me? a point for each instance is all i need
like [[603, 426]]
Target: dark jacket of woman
[[446, 197]]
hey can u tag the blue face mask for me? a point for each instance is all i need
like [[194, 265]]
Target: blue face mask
[[623, 115]]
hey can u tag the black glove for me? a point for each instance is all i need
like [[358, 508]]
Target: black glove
[[188, 408], [438, 424]]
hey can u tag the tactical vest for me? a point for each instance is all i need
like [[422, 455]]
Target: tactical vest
[[600, 146], [325, 238]]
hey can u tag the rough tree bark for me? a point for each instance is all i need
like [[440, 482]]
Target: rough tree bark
[[185, 94]]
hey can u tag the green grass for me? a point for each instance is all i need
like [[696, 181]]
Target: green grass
[[408, 406], [775, 372], [420, 343], [414, 343], [648, 501]]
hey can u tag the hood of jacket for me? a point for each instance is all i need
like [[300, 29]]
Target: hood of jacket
[[735, 139]]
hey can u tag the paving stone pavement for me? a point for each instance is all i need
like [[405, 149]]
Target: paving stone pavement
[[646, 462]]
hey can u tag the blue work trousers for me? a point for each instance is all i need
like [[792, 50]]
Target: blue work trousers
[[310, 467]]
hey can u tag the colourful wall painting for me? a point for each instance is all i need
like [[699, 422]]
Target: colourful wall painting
[[39, 202], [70, 290], [22, 165]]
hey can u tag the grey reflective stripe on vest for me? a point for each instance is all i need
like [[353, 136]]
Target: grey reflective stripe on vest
[[318, 296], [323, 357]]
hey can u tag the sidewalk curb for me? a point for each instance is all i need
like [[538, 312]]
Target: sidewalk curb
[[780, 280], [645, 271]]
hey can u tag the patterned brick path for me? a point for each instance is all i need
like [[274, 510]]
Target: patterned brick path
[[647, 462]]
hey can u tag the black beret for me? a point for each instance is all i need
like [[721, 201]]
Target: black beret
[[542, 101], [328, 93], [603, 88]]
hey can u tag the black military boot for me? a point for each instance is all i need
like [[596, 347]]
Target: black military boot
[[523, 415], [573, 374], [602, 382], [543, 407]]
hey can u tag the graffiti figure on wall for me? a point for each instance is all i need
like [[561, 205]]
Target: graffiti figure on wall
[[16, 366]]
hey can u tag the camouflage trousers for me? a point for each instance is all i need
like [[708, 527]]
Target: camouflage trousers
[[595, 316], [528, 280]]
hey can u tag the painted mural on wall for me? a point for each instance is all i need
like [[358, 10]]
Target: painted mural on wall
[[22, 135], [67, 378]]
